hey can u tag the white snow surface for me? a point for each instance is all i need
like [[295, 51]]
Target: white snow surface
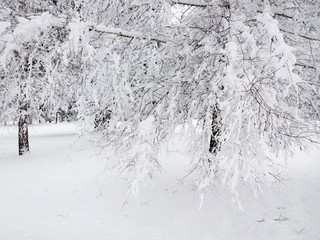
[[59, 192]]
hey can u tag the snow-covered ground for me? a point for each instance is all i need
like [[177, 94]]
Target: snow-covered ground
[[61, 193]]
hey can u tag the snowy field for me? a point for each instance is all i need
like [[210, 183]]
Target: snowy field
[[61, 193]]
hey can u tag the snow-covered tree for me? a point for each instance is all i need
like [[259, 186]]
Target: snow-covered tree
[[227, 66], [240, 76], [29, 61]]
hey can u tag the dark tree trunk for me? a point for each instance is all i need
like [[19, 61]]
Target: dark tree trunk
[[57, 117], [23, 137], [23, 131], [215, 126]]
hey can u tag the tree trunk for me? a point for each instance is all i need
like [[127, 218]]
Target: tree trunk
[[57, 117], [23, 137], [215, 126], [23, 129]]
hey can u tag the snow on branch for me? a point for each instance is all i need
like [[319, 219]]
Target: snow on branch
[[282, 13], [123, 33], [305, 65], [185, 3], [191, 4], [300, 35], [286, 14]]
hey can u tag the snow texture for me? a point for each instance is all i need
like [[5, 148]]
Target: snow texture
[[59, 192]]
